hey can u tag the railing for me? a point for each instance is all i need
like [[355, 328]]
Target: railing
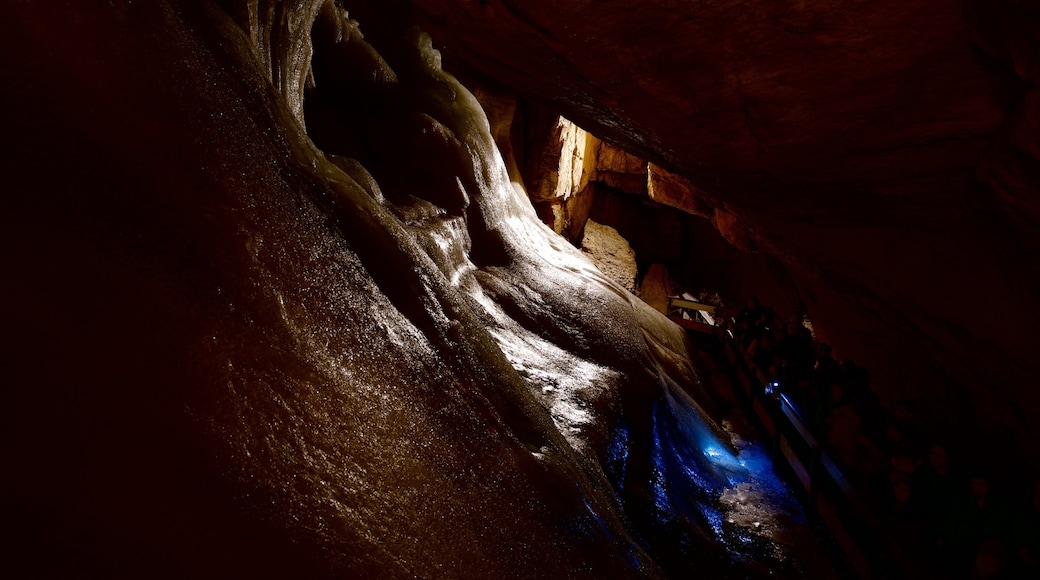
[[830, 497], [691, 314]]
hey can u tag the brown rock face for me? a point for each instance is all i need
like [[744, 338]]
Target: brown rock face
[[611, 254], [885, 151], [621, 170], [676, 191]]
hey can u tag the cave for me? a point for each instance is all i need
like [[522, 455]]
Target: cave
[[298, 289]]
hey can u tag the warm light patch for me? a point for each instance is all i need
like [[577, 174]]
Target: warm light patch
[[577, 159]]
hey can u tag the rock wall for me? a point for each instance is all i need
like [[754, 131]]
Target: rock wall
[[611, 254], [885, 152]]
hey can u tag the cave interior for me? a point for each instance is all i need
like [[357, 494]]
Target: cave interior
[[311, 288]]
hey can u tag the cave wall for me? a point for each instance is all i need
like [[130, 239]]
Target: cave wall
[[660, 213], [885, 152], [571, 176], [278, 310], [270, 321]]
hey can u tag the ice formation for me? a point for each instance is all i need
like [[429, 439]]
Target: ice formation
[[350, 349]]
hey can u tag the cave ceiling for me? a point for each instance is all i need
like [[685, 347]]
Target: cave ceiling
[[885, 151], [232, 350]]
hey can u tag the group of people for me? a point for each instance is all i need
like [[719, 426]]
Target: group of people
[[964, 521]]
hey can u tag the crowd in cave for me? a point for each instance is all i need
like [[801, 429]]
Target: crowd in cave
[[958, 513]]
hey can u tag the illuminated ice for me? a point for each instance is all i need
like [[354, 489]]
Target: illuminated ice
[[700, 472]]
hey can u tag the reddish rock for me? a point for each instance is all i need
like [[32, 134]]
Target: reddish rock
[[674, 190], [621, 170], [732, 229]]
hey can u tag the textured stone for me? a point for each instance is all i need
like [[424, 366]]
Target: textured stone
[[732, 229], [656, 287], [611, 254], [674, 190], [654, 231], [558, 176], [621, 170]]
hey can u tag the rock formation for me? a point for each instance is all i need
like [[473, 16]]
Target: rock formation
[[278, 310], [611, 254], [886, 153], [278, 307]]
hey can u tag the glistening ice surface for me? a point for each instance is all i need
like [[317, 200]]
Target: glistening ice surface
[[287, 317]]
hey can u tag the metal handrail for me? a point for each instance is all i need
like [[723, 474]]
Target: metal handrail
[[795, 418], [691, 314], [680, 302], [813, 463]]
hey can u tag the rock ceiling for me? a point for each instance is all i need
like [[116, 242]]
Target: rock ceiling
[[886, 151]]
